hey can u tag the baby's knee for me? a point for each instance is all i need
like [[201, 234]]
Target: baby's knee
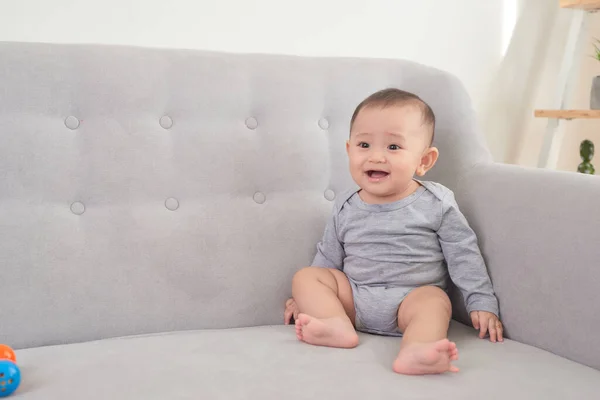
[[306, 273], [307, 276], [441, 300], [434, 297]]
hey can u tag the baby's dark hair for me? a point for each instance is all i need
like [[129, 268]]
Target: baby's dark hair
[[396, 97]]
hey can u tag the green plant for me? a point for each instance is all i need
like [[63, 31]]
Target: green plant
[[596, 55], [586, 151]]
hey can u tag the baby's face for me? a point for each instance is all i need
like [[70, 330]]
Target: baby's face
[[386, 149]]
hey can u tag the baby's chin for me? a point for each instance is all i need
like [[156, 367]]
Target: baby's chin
[[386, 195], [378, 196]]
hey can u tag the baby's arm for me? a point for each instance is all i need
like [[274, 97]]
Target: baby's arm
[[467, 268], [330, 252]]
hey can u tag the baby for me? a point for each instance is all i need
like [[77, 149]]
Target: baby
[[389, 247]]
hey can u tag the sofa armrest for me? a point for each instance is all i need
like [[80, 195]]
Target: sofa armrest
[[539, 232]]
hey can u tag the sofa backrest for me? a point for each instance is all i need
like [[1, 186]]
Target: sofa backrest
[[150, 190]]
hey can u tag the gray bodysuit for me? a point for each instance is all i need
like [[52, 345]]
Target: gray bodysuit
[[386, 250]]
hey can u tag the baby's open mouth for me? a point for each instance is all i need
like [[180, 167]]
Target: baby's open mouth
[[377, 174]]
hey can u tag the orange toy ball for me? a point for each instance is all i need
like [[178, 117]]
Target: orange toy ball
[[6, 353]]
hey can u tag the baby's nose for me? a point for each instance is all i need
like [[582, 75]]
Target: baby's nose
[[377, 156]]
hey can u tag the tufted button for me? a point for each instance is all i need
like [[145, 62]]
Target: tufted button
[[166, 122], [77, 208], [323, 123], [71, 122], [329, 195], [172, 203], [259, 197], [251, 123]]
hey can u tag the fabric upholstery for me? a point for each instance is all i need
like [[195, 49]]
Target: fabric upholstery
[[149, 190], [269, 363], [539, 232]]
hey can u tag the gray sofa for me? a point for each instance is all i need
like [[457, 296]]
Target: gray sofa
[[155, 204]]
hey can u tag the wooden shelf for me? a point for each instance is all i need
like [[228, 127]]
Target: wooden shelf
[[588, 5], [568, 114]]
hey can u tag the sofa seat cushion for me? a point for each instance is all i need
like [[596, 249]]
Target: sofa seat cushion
[[269, 363]]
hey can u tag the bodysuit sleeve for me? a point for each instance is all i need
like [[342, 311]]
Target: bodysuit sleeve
[[465, 263], [330, 252]]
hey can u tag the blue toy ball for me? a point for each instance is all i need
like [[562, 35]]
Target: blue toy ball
[[10, 377]]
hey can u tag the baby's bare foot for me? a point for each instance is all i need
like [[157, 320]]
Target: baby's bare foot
[[426, 358], [331, 332]]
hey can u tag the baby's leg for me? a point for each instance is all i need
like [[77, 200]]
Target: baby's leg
[[423, 317], [324, 298]]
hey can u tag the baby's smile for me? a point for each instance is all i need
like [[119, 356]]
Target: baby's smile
[[376, 175]]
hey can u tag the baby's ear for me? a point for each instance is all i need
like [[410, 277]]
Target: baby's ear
[[428, 160]]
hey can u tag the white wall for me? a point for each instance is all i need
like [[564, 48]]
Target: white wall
[[465, 37]]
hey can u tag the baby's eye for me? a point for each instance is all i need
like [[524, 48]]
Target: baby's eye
[[363, 145], [394, 147]]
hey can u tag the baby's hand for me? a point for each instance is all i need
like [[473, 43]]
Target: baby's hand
[[290, 309], [486, 321]]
